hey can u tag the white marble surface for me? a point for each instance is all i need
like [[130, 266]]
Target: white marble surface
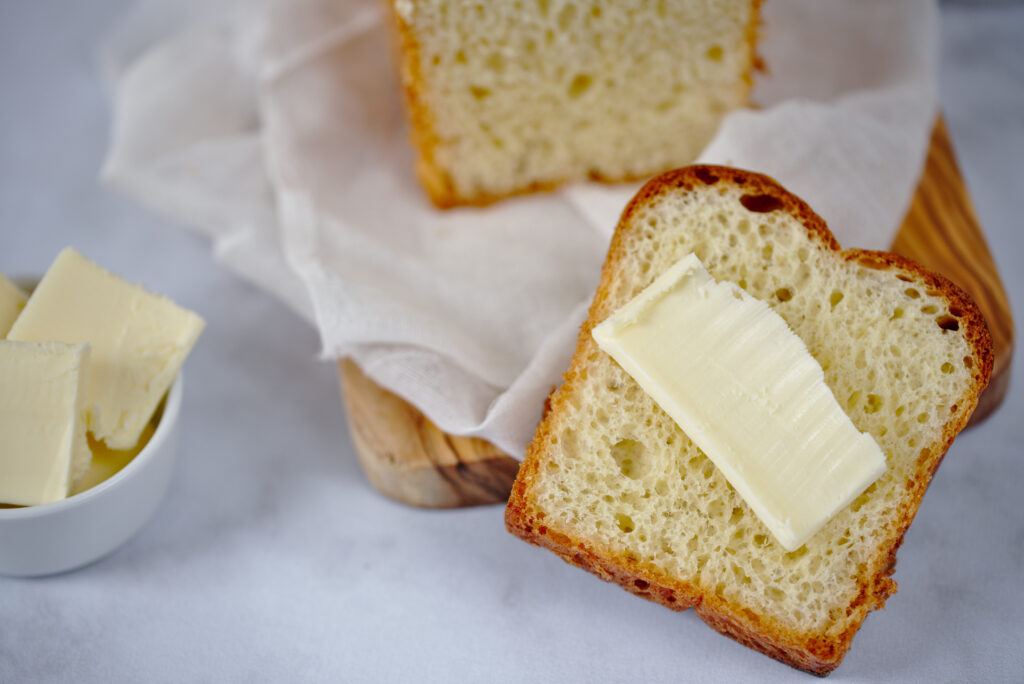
[[273, 559]]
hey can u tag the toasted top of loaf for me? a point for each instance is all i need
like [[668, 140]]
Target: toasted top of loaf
[[511, 97], [613, 485]]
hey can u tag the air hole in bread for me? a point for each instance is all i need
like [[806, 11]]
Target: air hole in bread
[[948, 323], [929, 309], [707, 470], [835, 297], [853, 400], [947, 368], [707, 178], [784, 294], [874, 404], [912, 293], [629, 456], [737, 515], [868, 261], [715, 53], [968, 362], [479, 92], [580, 84], [624, 522], [716, 509], [760, 204], [896, 313]]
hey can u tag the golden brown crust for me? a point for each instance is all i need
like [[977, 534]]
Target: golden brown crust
[[423, 132], [421, 121], [753, 32], [815, 653]]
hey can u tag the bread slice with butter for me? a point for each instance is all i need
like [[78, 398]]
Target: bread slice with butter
[[613, 485]]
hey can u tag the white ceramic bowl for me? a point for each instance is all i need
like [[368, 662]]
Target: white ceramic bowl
[[67, 534]]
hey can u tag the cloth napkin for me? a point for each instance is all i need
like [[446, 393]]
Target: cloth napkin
[[277, 129]]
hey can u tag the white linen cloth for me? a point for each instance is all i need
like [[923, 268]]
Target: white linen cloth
[[276, 128]]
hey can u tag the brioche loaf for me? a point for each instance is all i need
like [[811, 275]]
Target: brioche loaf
[[613, 485], [510, 97]]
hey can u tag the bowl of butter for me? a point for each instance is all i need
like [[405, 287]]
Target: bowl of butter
[[90, 393]]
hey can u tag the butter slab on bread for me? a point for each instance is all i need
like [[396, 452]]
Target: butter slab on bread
[[511, 97], [614, 486]]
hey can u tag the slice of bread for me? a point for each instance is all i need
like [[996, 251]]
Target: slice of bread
[[613, 485], [512, 97]]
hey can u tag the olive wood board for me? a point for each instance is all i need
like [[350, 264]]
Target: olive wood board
[[406, 457]]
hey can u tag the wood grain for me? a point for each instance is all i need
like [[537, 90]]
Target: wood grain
[[409, 459], [406, 457], [941, 232]]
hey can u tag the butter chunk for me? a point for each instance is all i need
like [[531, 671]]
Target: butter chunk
[[43, 448], [139, 341], [744, 388], [12, 301]]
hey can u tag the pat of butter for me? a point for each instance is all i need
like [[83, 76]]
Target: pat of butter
[[12, 301], [43, 447], [139, 341], [745, 389]]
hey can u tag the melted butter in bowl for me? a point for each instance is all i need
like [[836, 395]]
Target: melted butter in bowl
[[107, 462]]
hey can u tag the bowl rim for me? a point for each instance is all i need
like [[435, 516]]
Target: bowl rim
[[163, 429]]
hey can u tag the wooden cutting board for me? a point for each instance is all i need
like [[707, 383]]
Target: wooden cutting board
[[409, 459]]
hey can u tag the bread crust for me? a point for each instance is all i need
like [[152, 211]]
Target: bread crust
[[816, 653], [423, 130]]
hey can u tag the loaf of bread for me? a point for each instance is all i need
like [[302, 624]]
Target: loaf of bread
[[512, 97], [613, 485]]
